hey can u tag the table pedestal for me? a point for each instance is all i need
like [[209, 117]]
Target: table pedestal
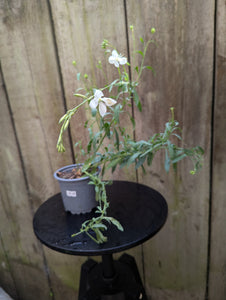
[[111, 279]]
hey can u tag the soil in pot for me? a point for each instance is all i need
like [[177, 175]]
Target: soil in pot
[[72, 174]]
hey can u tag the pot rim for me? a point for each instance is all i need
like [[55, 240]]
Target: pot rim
[[69, 167]]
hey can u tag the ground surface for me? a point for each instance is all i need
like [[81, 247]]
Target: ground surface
[[4, 296]]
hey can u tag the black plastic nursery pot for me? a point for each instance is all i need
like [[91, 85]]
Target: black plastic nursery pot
[[77, 194]]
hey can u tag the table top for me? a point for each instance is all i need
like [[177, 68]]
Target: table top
[[141, 210]]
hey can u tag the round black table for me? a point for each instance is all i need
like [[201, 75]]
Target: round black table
[[141, 210]]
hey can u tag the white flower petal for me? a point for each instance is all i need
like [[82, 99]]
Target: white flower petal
[[117, 59], [93, 103], [109, 101], [116, 63], [111, 59], [114, 53], [122, 60], [98, 94], [102, 109]]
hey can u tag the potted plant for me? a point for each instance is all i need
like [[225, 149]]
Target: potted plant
[[111, 145], [77, 195]]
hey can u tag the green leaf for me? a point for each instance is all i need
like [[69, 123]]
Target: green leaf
[[86, 165], [78, 76], [140, 162], [113, 169], [199, 150], [113, 163], [100, 237], [140, 52], [141, 39], [179, 137], [133, 122], [171, 149], [96, 159], [142, 143], [133, 158], [113, 84], [117, 224], [100, 226], [137, 100], [167, 161], [143, 169], [123, 162], [149, 68], [178, 158], [150, 158], [89, 146], [94, 112], [116, 112], [116, 139], [107, 129]]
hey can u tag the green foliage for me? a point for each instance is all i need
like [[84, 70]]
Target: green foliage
[[110, 145], [97, 224]]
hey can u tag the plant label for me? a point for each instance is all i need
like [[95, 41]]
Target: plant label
[[71, 193]]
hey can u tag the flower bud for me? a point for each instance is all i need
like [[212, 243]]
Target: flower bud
[[104, 44]]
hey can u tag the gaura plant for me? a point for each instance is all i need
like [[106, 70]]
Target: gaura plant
[[110, 144]]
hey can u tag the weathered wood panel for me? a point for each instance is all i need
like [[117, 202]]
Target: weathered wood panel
[[20, 251], [176, 259], [217, 278], [6, 277], [35, 94]]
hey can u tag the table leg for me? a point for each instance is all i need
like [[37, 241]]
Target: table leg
[[108, 266], [111, 280]]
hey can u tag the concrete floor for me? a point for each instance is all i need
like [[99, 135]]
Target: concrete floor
[[4, 296]]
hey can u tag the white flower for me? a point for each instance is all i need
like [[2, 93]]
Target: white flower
[[101, 101], [117, 59]]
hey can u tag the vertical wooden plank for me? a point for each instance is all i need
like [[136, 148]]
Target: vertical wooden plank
[[217, 275], [35, 95], [6, 279], [21, 252], [176, 259]]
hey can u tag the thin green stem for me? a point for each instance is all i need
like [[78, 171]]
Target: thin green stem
[[142, 61]]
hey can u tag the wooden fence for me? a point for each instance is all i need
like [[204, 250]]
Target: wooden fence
[[39, 39]]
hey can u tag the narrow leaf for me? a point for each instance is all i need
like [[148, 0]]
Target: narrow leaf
[[178, 158], [140, 162], [137, 100], [116, 138], [140, 52], [167, 162], [117, 224]]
